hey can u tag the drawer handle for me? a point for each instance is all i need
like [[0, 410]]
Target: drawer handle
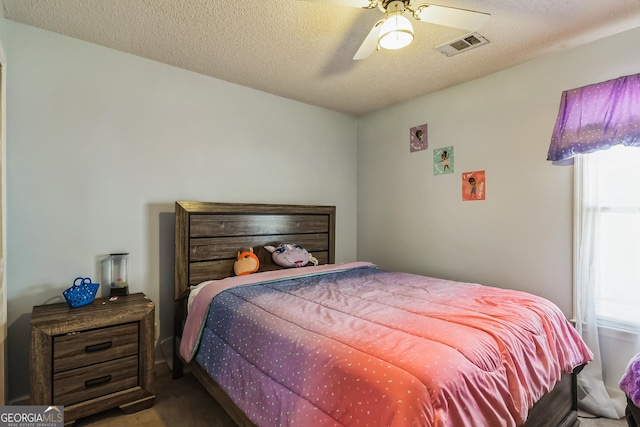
[[97, 347], [97, 381]]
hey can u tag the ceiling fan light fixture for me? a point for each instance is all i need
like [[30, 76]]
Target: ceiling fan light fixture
[[396, 32]]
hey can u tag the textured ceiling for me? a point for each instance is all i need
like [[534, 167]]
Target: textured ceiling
[[303, 50]]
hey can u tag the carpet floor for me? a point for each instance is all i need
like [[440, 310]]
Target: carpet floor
[[184, 402], [587, 420], [181, 402]]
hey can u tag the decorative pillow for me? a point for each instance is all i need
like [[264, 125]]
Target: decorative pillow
[[291, 255], [246, 263]]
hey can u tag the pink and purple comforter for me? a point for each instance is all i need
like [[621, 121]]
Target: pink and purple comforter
[[351, 345]]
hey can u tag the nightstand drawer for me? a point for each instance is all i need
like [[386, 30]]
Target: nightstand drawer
[[95, 346], [86, 383]]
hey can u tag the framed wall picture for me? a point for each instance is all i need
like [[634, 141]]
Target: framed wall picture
[[418, 138], [443, 160], [474, 186]]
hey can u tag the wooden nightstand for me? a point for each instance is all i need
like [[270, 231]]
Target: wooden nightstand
[[95, 357]]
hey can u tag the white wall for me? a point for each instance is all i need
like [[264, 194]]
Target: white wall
[[521, 236], [101, 144]]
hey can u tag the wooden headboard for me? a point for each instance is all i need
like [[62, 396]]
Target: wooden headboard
[[209, 236]]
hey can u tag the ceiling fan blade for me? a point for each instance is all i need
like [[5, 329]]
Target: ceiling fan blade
[[350, 3], [369, 44], [451, 17]]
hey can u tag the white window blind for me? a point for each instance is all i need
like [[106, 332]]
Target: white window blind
[[615, 175]]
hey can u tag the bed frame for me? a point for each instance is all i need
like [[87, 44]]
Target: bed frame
[[208, 238]]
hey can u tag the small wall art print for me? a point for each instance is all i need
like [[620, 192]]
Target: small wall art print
[[443, 160], [473, 186], [418, 138]]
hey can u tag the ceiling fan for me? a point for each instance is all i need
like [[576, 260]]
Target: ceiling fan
[[395, 31]]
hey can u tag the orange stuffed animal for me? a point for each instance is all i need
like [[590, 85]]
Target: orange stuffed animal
[[246, 263]]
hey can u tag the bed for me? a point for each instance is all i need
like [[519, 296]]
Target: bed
[[208, 238]]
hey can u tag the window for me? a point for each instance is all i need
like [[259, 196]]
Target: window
[[598, 126], [614, 176]]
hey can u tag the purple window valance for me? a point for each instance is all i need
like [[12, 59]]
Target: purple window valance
[[597, 117]]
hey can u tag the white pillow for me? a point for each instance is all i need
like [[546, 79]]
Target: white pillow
[[194, 290]]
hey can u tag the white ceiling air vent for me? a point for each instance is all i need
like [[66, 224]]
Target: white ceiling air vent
[[462, 44]]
